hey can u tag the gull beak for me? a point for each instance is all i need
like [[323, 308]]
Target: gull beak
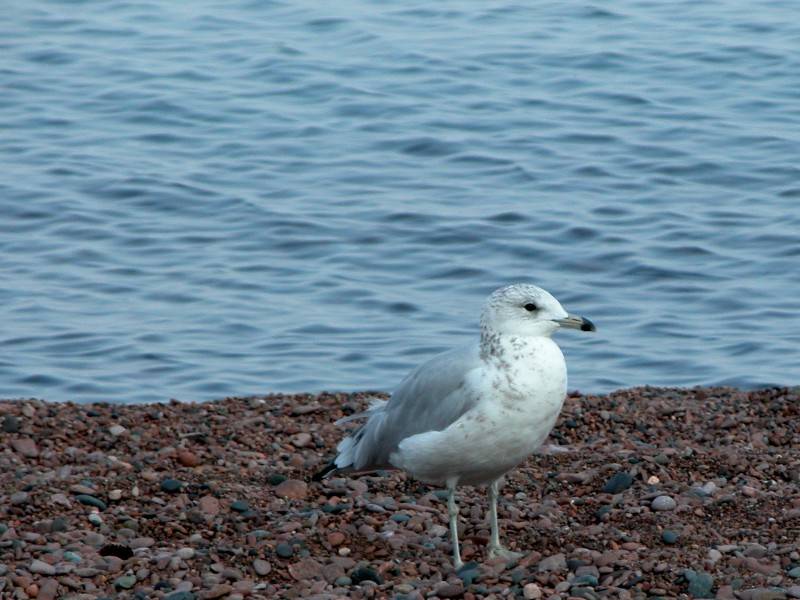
[[575, 322]]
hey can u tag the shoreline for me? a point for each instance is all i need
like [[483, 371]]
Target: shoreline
[[185, 500]]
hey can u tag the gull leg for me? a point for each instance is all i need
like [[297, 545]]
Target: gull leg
[[452, 511], [495, 548]]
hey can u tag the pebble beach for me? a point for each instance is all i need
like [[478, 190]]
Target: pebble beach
[[641, 493]]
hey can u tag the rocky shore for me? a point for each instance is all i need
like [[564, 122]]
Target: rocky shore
[[643, 493]]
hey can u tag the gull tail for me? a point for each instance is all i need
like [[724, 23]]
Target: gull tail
[[350, 448]]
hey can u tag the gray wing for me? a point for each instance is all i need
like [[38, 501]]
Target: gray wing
[[430, 398]]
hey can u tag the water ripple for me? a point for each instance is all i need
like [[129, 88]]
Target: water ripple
[[271, 196]]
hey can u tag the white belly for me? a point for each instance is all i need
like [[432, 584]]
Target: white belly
[[519, 404]]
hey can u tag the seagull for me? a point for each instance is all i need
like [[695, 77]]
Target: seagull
[[470, 415]]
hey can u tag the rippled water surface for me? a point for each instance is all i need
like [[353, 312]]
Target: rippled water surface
[[210, 198]]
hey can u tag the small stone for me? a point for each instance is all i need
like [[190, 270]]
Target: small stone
[[95, 519], [41, 568], [794, 573], [116, 430], [171, 486], [449, 590], [620, 482], [556, 562], [218, 591], [366, 574], [141, 542], [763, 594], [669, 537], [72, 557], [276, 478], [125, 582], [292, 489], [284, 550], [48, 590], [25, 446], [185, 553], [301, 440], [59, 524], [343, 581], [663, 503], [91, 501], [115, 495], [10, 424], [793, 591], [209, 505], [187, 458], [180, 596], [400, 518], [261, 567], [700, 584], [240, 506], [306, 570], [585, 581], [531, 591], [18, 498], [336, 538]]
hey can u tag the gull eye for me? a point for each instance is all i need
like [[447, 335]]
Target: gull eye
[[530, 307]]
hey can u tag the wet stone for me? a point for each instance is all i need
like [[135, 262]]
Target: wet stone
[[620, 482], [171, 486], [669, 537], [11, 424], [284, 550], [91, 501], [366, 574], [276, 479], [240, 506]]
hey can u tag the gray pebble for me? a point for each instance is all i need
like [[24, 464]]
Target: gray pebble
[[41, 568], [18, 498], [618, 483], [284, 550], [663, 503], [11, 424]]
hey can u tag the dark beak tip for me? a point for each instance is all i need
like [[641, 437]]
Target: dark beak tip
[[587, 325]]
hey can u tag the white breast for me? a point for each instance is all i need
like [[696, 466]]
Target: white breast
[[521, 391]]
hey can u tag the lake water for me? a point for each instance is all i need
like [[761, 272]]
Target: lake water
[[212, 198]]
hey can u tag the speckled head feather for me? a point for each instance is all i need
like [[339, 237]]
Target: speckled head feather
[[521, 309]]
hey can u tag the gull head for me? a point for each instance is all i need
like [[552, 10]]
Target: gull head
[[523, 309]]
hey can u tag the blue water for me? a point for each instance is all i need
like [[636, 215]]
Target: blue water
[[212, 198]]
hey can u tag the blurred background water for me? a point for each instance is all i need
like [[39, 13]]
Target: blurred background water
[[213, 198]]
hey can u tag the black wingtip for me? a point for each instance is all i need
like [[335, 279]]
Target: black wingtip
[[320, 475]]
